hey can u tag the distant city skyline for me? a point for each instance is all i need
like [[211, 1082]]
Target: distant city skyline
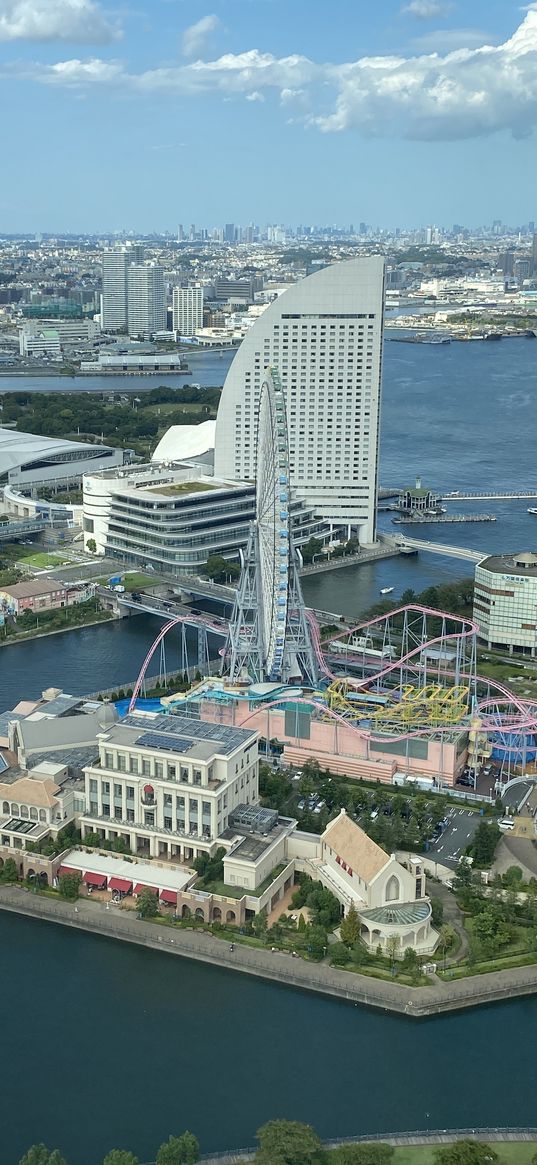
[[140, 117]]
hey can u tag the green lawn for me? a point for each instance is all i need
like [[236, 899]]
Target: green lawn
[[43, 560], [171, 409], [133, 581], [185, 487], [509, 1153]]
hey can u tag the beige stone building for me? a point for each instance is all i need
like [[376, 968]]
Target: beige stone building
[[389, 897]]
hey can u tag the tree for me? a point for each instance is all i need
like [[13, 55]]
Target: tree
[[447, 934], [392, 946], [40, 1155], [220, 570], [350, 926], [183, 1150], [437, 911], [120, 1157], [363, 1154], [465, 1153], [490, 929], [69, 886], [91, 545], [310, 548], [259, 924], [485, 840], [512, 877], [10, 872], [147, 903], [283, 1142]]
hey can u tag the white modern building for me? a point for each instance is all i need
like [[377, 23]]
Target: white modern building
[[324, 335], [146, 299], [187, 310], [172, 517], [38, 337], [505, 602]]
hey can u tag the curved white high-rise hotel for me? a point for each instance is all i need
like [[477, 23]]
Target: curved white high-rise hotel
[[324, 335]]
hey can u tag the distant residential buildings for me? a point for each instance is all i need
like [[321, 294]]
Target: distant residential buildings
[[146, 300], [133, 292], [187, 304]]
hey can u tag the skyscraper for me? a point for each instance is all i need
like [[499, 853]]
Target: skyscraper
[[187, 310], [533, 259], [324, 335], [146, 299], [115, 264]]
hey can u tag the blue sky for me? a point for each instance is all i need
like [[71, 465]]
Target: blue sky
[[142, 114]]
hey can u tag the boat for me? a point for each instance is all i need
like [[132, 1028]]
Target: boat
[[386, 590], [532, 509]]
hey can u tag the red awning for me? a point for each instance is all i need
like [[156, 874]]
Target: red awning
[[94, 879], [169, 896], [139, 887], [66, 870], [120, 884]]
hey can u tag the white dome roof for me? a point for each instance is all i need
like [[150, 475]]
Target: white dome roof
[[183, 441]]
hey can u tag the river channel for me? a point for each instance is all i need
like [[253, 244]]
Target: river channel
[[107, 1045]]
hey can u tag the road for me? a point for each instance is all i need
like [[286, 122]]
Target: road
[[456, 836], [514, 796]]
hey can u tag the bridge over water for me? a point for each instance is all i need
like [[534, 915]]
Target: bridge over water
[[436, 547]]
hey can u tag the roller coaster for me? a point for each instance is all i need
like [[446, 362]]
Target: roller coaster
[[429, 689]]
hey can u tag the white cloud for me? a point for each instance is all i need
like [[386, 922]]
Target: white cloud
[[466, 93], [195, 37], [83, 21], [255, 96], [427, 9]]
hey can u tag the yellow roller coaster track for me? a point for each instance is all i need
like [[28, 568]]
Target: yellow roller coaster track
[[430, 705]]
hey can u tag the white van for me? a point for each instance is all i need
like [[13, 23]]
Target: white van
[[506, 823]]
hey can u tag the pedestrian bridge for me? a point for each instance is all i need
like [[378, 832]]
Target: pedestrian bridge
[[436, 547]]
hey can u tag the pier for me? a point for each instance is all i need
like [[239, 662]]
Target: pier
[[417, 520]]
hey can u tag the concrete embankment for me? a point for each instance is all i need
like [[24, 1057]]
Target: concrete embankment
[[279, 966], [433, 1137]]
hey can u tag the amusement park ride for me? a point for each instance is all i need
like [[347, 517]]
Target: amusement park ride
[[403, 676]]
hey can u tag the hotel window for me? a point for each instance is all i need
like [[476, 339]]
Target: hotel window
[[121, 762], [118, 791], [133, 764], [197, 776], [108, 760], [130, 792], [159, 769], [105, 787], [171, 772], [146, 768]]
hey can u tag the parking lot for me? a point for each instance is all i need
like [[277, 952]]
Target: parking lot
[[452, 843]]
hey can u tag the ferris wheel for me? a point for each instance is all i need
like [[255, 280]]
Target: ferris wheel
[[272, 517]]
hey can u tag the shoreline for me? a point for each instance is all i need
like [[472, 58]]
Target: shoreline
[[277, 966], [397, 1140], [28, 638]]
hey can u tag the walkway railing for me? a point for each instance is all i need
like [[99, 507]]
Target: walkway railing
[[420, 1137]]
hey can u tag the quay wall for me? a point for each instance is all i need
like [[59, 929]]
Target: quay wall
[[278, 966]]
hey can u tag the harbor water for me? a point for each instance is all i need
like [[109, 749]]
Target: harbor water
[[117, 1046], [110, 1045]]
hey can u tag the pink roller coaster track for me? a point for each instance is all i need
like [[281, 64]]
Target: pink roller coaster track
[[486, 710]]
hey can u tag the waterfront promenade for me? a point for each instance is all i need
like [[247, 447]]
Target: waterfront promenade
[[279, 966], [433, 1137]]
